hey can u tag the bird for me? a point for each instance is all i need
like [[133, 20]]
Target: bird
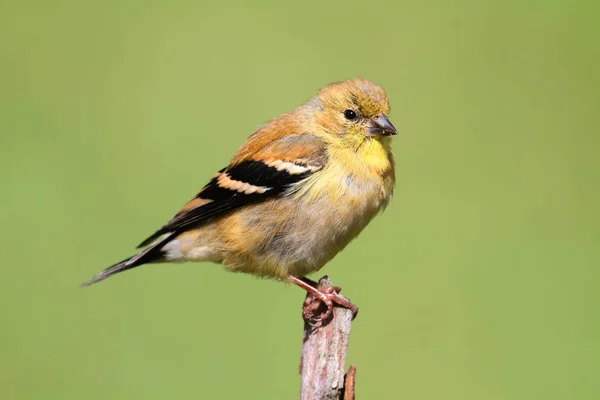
[[300, 189]]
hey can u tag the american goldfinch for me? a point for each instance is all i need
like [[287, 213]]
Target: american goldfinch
[[296, 193]]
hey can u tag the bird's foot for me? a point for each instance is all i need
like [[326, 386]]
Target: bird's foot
[[320, 300]]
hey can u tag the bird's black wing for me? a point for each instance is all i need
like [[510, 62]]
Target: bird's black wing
[[266, 175]]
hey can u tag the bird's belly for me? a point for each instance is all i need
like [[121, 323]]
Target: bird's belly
[[314, 231]]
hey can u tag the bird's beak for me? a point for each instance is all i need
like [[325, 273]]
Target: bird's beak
[[381, 126]]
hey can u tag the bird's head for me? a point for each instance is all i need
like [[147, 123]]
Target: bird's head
[[353, 110]]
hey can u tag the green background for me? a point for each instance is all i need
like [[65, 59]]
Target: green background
[[480, 281]]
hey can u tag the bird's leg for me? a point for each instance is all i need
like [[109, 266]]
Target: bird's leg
[[315, 298]]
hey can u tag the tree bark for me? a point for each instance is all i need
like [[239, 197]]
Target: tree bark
[[324, 357]]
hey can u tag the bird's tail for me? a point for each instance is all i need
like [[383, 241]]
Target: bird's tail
[[113, 269], [153, 253]]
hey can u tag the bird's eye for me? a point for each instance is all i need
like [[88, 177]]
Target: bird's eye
[[350, 114]]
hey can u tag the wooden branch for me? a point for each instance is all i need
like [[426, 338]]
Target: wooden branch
[[324, 357]]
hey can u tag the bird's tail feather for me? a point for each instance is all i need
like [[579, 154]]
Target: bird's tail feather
[[151, 254], [113, 269]]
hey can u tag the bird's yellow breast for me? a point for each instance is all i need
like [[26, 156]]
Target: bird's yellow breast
[[362, 172], [374, 155]]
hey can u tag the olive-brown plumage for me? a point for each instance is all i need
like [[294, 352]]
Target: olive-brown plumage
[[296, 193]]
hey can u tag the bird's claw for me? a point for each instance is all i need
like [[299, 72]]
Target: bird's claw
[[318, 306], [317, 309]]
